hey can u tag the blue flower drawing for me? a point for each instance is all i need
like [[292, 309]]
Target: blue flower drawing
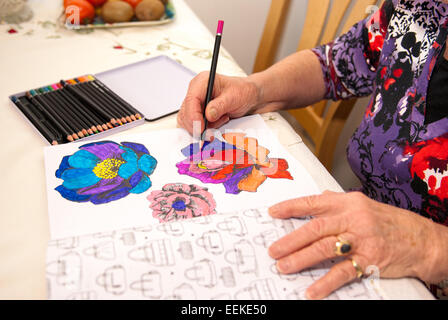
[[106, 171]]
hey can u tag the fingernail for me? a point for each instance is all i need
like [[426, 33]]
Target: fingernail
[[310, 294], [213, 114], [273, 211], [283, 265], [272, 251]]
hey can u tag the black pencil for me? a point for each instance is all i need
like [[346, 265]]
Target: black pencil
[[93, 106], [87, 86], [36, 101], [52, 107], [70, 112], [74, 112], [103, 123], [98, 109], [120, 106], [117, 97], [99, 102], [212, 75], [127, 113], [55, 104], [96, 123], [41, 124]]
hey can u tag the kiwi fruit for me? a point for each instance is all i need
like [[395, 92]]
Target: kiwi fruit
[[149, 10], [117, 11]]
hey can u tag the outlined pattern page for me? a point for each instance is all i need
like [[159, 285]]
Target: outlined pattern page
[[221, 256]]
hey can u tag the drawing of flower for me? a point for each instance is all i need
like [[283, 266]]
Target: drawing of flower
[[238, 162], [177, 201], [106, 171]]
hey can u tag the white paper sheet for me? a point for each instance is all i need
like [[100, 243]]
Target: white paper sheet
[[222, 256], [68, 218]]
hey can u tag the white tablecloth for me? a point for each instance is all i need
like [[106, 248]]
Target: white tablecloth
[[42, 52]]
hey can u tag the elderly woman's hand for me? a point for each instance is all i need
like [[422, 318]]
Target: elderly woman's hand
[[399, 242], [233, 97]]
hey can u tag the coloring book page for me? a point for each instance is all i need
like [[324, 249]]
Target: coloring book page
[[166, 176], [222, 256]]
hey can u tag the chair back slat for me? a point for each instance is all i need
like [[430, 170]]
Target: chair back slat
[[324, 20], [337, 12], [270, 39], [316, 14]]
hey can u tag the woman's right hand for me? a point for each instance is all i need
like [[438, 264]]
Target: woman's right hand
[[233, 97]]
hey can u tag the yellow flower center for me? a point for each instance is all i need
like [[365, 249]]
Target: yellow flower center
[[107, 169], [202, 166]]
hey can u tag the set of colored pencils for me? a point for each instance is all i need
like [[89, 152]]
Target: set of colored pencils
[[73, 109]]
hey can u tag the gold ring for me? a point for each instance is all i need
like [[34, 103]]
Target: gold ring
[[342, 247], [358, 269]]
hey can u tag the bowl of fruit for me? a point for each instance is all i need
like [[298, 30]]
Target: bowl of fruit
[[88, 14]]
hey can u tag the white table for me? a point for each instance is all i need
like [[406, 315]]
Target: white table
[[42, 52]]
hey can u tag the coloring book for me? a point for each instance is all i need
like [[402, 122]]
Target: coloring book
[[159, 216]]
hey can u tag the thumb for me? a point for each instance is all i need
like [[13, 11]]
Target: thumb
[[217, 108]]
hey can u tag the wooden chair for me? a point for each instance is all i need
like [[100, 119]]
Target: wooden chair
[[324, 120]]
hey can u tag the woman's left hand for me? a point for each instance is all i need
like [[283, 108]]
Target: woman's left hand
[[399, 242]]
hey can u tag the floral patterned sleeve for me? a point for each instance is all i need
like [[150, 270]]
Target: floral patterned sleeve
[[349, 62]]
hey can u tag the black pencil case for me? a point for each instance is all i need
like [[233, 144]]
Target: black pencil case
[[155, 87]]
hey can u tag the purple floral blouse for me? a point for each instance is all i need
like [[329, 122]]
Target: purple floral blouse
[[398, 157]]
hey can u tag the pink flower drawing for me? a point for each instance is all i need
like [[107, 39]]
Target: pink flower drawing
[[178, 201]]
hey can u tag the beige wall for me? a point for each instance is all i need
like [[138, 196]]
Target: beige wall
[[244, 22]]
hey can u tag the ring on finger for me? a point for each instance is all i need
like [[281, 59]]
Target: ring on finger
[[342, 247], [359, 272]]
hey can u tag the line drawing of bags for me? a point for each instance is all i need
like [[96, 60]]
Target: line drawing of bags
[[67, 243], [233, 225], [67, 270], [222, 296], [186, 250], [128, 238], [143, 229], [150, 284], [157, 252], [243, 256], [211, 241], [287, 225], [201, 220], [266, 238], [106, 234], [174, 228], [103, 251], [83, 295], [203, 273], [227, 276], [261, 289], [113, 280], [183, 292]]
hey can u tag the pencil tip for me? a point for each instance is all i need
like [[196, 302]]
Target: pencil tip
[[54, 142], [75, 136], [70, 138]]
